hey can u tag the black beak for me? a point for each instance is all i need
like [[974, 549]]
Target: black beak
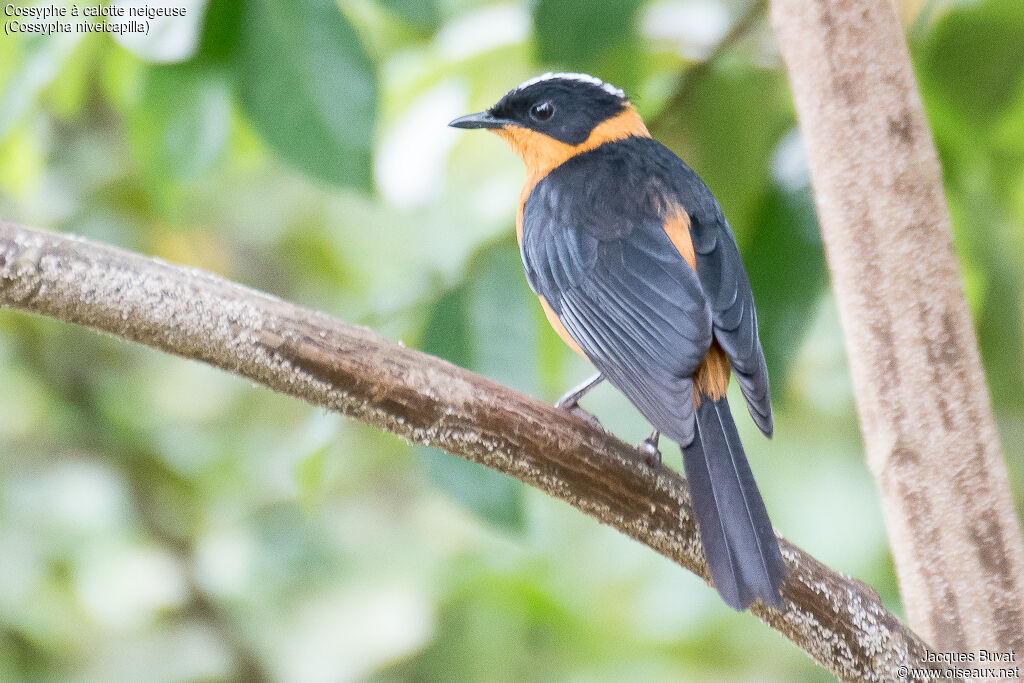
[[482, 119]]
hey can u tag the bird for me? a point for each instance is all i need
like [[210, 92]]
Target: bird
[[638, 271]]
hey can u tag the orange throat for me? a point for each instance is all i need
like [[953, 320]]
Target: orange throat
[[542, 153]]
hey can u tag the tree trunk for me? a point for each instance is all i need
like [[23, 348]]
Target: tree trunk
[[930, 438]]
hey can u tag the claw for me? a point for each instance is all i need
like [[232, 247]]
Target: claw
[[650, 447], [570, 400], [584, 415]]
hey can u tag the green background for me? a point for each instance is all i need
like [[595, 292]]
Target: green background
[[162, 521]]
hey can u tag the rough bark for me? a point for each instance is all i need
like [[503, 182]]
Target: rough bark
[[924, 407], [839, 621]]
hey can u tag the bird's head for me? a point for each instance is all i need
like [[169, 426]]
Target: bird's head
[[549, 119]]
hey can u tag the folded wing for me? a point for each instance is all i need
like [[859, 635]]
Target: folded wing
[[624, 293]]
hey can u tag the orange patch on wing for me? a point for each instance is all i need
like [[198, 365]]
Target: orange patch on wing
[[542, 153], [711, 378], [560, 328], [678, 228]]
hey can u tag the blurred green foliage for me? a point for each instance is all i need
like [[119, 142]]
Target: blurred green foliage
[[163, 521], [308, 86]]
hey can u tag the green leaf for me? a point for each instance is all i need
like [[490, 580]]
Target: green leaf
[[486, 324], [726, 131], [222, 26], [501, 314], [583, 36], [422, 15], [447, 332], [309, 87], [972, 59], [181, 124], [786, 264]]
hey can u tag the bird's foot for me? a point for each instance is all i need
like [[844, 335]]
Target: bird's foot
[[579, 412], [650, 448], [570, 400]]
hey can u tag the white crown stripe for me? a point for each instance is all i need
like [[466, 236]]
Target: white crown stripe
[[583, 78]]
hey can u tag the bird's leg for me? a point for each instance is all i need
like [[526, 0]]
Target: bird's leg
[[650, 447], [570, 399]]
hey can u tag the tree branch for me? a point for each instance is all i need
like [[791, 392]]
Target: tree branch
[[930, 438], [837, 620]]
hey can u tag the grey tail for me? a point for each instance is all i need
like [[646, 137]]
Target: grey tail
[[739, 543]]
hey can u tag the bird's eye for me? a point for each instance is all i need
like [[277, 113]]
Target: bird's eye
[[542, 111]]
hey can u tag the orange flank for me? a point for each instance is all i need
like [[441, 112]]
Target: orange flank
[[678, 228], [711, 378], [542, 153]]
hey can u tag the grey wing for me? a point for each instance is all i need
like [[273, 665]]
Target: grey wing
[[723, 279], [631, 302], [726, 284]]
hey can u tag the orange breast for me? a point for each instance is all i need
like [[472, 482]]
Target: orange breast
[[542, 153]]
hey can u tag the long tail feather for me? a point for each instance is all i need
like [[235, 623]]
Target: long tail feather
[[742, 552]]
